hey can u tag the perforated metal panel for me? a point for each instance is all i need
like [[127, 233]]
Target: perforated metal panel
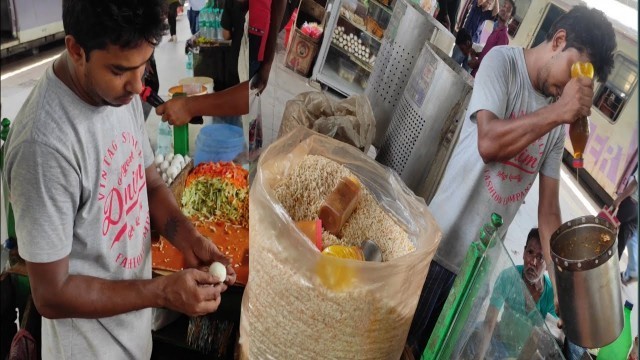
[[429, 113], [403, 133], [409, 29]]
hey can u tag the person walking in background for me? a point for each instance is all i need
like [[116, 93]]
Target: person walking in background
[[513, 131], [194, 14], [172, 17], [232, 22], [499, 36], [479, 12], [449, 9], [627, 204], [265, 20]]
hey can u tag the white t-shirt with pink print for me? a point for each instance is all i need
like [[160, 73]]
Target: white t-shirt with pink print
[[470, 189], [76, 177]]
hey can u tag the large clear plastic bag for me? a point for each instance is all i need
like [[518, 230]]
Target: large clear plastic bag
[[350, 120], [289, 309]]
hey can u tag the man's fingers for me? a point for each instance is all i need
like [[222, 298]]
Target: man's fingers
[[160, 110], [209, 293], [207, 307], [203, 278]]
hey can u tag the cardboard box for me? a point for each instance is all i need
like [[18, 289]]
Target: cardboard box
[[301, 53]]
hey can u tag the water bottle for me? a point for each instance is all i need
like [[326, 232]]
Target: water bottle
[[488, 230], [220, 24], [165, 137], [216, 24], [189, 64], [202, 22]]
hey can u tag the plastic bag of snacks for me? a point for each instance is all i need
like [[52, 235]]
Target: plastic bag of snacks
[[300, 304], [312, 29]]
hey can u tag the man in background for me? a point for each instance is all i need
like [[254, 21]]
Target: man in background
[[463, 49], [499, 36], [194, 14]]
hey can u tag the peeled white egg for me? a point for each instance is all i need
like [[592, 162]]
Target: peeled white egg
[[164, 177], [187, 159], [165, 164], [218, 270], [159, 159], [169, 157], [178, 156]]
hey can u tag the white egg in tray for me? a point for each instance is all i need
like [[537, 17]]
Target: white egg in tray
[[169, 166]]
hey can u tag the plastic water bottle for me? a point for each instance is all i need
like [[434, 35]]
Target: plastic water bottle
[[220, 24], [165, 137], [202, 22], [189, 64], [216, 25], [488, 230]]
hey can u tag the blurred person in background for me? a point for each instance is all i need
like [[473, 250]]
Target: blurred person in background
[[172, 17], [194, 14], [233, 21], [463, 49], [499, 36], [479, 12], [265, 20], [627, 204]]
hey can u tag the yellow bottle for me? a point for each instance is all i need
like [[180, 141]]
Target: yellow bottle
[[344, 252], [579, 129]]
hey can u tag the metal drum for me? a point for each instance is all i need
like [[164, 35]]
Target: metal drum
[[584, 252], [426, 123], [408, 30]]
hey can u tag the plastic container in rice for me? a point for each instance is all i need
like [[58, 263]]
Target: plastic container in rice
[[300, 304]]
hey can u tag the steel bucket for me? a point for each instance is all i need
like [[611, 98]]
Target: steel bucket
[[427, 121], [408, 30], [584, 252]]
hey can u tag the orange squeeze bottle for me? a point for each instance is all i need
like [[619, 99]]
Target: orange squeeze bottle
[[339, 204], [579, 129], [313, 230]]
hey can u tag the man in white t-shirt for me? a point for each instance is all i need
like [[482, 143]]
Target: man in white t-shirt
[[513, 131], [85, 193]]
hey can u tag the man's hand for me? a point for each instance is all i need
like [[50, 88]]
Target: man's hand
[[557, 306], [575, 101], [192, 292], [201, 252], [175, 111], [261, 78]]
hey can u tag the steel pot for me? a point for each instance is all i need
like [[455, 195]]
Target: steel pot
[[584, 252]]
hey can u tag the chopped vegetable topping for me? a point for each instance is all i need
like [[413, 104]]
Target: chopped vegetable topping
[[217, 191]]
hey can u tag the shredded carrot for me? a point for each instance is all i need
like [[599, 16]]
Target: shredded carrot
[[229, 171]]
